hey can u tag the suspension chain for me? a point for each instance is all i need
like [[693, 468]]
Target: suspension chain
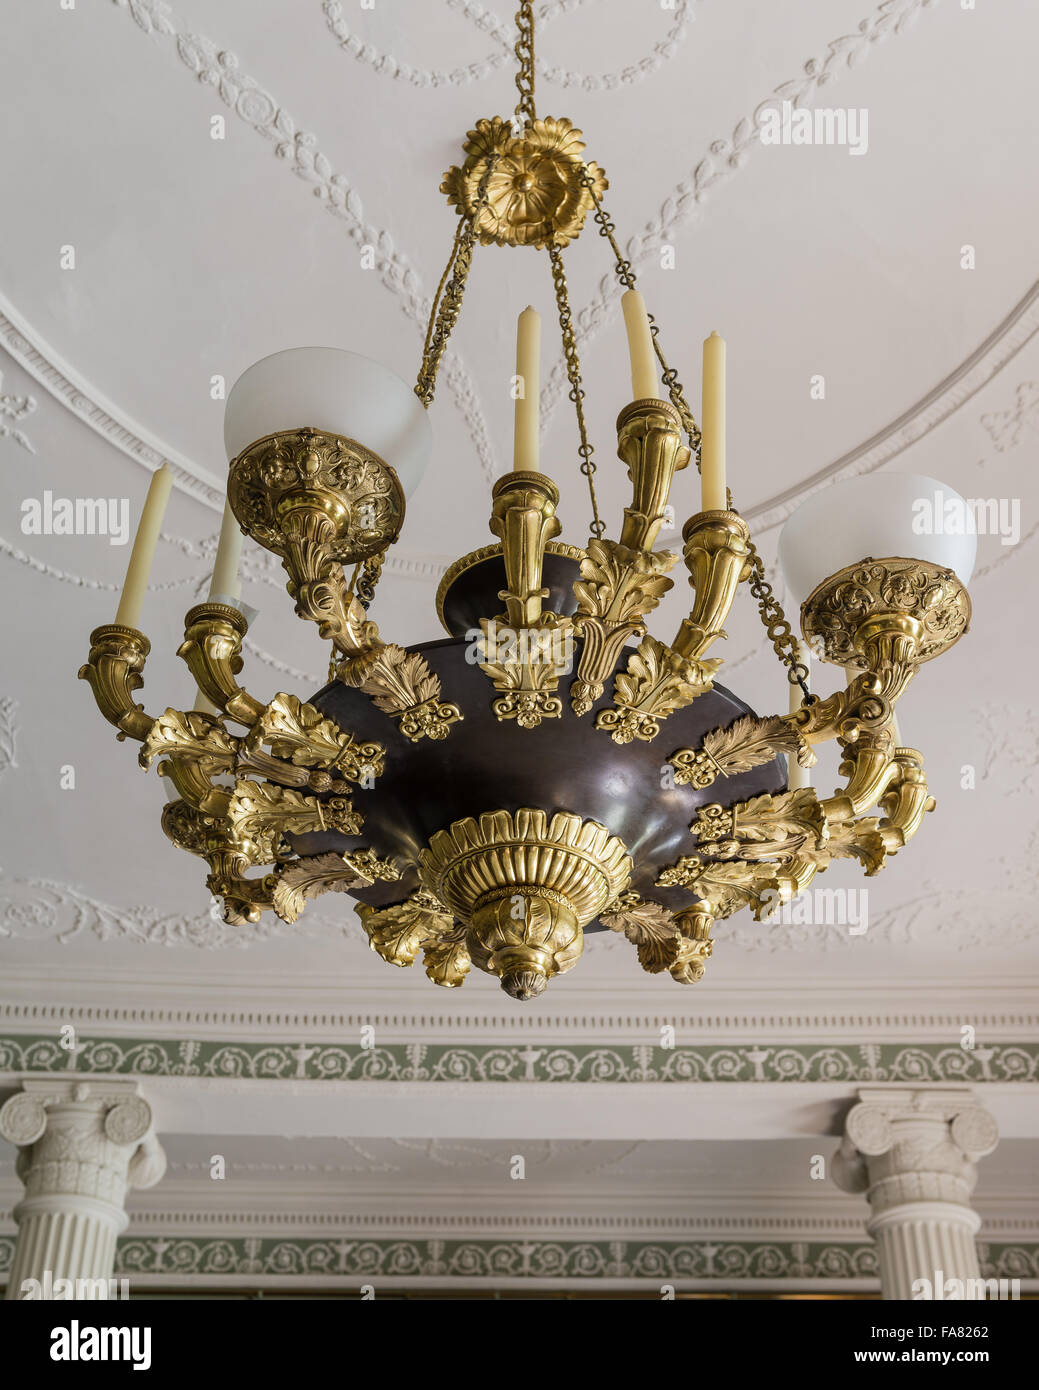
[[435, 306], [444, 314], [525, 57], [776, 623], [625, 274], [371, 569], [573, 372]]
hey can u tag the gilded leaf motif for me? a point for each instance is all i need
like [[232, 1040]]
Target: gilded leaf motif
[[191, 735], [747, 743], [446, 958], [315, 874], [399, 932]]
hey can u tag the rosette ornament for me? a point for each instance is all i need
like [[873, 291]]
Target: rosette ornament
[[534, 195]]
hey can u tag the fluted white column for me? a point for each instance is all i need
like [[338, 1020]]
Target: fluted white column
[[913, 1153], [81, 1145]]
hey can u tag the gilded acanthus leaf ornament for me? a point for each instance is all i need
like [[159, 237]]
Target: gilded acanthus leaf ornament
[[767, 827], [726, 888], [617, 587], [299, 733], [399, 932], [534, 195], [748, 743], [312, 875], [621, 585], [446, 958], [525, 667], [261, 813], [859, 839], [189, 734], [649, 926], [657, 681], [402, 685], [676, 942]]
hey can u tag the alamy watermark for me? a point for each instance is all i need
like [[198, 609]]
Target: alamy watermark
[[49, 1288], [945, 515], [791, 125], [940, 1288], [831, 907], [528, 646], [77, 516]]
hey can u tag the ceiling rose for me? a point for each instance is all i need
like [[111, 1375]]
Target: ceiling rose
[[550, 768]]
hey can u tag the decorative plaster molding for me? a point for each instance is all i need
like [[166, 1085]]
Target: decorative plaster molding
[[15, 408], [253, 104], [721, 162], [91, 999], [39, 908], [157, 1259], [61, 912], [1007, 426], [497, 1260], [386, 65], [43, 364], [1005, 341], [803, 1023], [8, 733], [531, 1061]]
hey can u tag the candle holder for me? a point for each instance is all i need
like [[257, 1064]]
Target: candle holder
[[621, 581], [527, 651]]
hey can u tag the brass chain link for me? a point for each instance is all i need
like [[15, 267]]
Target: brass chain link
[[776, 623], [444, 314], [435, 306], [573, 372], [371, 569], [625, 274], [525, 56]]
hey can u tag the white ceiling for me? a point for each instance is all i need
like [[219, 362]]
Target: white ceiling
[[196, 256]]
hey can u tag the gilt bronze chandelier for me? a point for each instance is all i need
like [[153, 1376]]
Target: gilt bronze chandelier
[[551, 768]]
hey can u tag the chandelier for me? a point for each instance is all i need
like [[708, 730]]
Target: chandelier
[[551, 768]]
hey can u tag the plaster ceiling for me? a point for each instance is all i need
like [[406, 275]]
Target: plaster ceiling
[[196, 256]]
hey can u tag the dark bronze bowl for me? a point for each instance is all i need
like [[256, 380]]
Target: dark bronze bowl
[[563, 765]]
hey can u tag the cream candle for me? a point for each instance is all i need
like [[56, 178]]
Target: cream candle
[[644, 382], [712, 425], [525, 447], [145, 543], [226, 579]]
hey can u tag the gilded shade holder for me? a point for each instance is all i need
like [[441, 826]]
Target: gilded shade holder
[[308, 484], [838, 616], [321, 501]]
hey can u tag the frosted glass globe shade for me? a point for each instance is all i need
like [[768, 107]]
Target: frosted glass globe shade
[[882, 516], [337, 391]]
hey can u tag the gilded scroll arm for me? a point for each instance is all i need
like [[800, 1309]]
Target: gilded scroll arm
[[114, 670]]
